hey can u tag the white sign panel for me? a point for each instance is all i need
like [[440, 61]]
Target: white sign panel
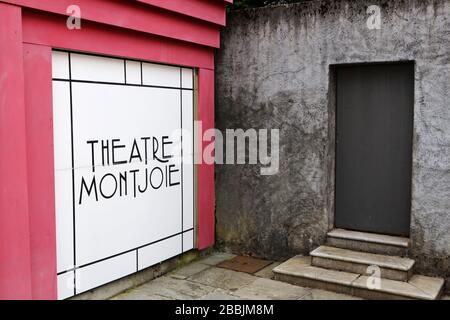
[[124, 175]]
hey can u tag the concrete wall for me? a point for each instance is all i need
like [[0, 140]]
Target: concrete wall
[[274, 72]]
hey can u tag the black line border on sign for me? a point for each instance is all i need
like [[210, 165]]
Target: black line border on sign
[[73, 175], [193, 157], [122, 84], [119, 58], [125, 70], [181, 143], [70, 81], [125, 252]]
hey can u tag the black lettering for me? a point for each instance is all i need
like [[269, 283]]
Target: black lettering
[[105, 148], [165, 169], [146, 182], [88, 190], [170, 175], [151, 178], [134, 181], [145, 139], [155, 151], [164, 143], [114, 147], [123, 178], [134, 149], [92, 143], [101, 186]]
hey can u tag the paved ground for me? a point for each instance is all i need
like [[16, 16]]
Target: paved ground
[[203, 280]]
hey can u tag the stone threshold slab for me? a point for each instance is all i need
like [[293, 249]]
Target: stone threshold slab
[[384, 261], [300, 266], [369, 237], [418, 287]]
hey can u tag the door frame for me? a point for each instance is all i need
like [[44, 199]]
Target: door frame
[[332, 143]]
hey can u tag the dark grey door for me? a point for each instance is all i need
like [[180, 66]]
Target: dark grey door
[[374, 127]]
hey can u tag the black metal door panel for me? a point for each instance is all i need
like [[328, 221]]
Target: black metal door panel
[[374, 127]]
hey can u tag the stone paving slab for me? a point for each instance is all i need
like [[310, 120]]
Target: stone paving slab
[[267, 272], [137, 294], [220, 294], [266, 289], [189, 270], [317, 294], [216, 258], [202, 280], [223, 278], [175, 289]]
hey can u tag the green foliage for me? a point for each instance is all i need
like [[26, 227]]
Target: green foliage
[[239, 4]]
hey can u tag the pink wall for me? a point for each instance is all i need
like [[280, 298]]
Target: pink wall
[[15, 265], [39, 124], [184, 34], [206, 172]]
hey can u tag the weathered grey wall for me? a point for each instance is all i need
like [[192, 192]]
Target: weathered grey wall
[[273, 72]]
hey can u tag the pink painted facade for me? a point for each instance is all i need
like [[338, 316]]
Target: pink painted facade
[[178, 32]]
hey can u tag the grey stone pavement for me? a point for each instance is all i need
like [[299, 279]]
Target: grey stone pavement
[[202, 280]]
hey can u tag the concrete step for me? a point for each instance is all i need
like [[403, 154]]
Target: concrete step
[[394, 268], [299, 271], [368, 242]]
